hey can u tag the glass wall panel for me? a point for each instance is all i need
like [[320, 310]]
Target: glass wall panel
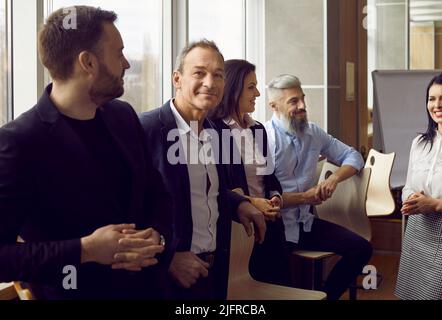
[[222, 21], [140, 24], [3, 65]]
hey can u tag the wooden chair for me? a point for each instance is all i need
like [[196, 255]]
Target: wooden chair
[[21, 288], [319, 166], [347, 208], [243, 287], [7, 291], [315, 256], [380, 201], [23, 292]]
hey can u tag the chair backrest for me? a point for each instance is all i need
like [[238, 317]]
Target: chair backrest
[[347, 205], [240, 252], [7, 291], [319, 166], [22, 292], [242, 286], [22, 288], [380, 201]]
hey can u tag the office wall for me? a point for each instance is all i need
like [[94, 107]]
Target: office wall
[[438, 45], [295, 44], [316, 40], [426, 45], [422, 46], [391, 34], [28, 72]]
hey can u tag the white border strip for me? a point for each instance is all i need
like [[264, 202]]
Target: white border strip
[[325, 123]]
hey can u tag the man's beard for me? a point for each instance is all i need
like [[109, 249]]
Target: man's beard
[[295, 125], [107, 87]]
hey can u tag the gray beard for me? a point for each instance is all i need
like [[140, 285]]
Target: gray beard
[[295, 126]]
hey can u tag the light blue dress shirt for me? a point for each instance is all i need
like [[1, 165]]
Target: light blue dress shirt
[[295, 161]]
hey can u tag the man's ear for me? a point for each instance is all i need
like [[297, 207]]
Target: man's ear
[[273, 105], [176, 79], [88, 62]]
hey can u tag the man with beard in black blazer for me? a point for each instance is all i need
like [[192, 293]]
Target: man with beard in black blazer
[[185, 148], [75, 178]]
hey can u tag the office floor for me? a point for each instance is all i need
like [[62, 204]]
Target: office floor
[[387, 265]]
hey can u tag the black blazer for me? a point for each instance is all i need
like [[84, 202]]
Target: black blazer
[[51, 197], [236, 174], [157, 124], [270, 260]]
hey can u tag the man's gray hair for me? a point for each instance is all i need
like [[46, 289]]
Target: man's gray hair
[[203, 43], [281, 82]]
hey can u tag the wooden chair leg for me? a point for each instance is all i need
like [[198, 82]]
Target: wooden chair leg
[[22, 291]]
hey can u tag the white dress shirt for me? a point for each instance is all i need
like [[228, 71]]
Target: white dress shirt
[[251, 155], [424, 169], [203, 193], [248, 154]]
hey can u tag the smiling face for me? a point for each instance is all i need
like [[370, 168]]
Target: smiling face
[[289, 106], [200, 85], [249, 94], [434, 105]]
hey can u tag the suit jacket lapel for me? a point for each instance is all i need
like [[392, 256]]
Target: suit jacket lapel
[[178, 174], [169, 124], [223, 171], [64, 137], [118, 130]]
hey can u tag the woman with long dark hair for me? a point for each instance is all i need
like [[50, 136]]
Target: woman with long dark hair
[[248, 169], [420, 270]]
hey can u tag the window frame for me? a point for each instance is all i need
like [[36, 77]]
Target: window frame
[[165, 60], [8, 53], [175, 29]]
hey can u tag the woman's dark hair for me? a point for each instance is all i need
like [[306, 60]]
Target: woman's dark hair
[[428, 136], [236, 71]]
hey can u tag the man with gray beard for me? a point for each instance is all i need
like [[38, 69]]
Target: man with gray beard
[[296, 145]]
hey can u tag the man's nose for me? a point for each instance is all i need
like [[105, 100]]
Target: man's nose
[[302, 105], [209, 81], [126, 64]]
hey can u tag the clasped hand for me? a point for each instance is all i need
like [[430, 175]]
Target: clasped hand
[[122, 247], [419, 203], [271, 209]]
